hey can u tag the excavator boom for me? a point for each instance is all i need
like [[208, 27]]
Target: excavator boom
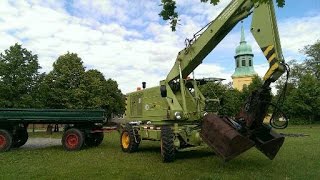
[[264, 29]]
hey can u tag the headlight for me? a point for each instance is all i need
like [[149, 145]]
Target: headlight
[[177, 115]]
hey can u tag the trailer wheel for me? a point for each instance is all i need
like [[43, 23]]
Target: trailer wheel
[[5, 140], [167, 144], [94, 139], [73, 139], [129, 139], [20, 138]]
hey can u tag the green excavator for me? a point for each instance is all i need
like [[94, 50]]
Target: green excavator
[[175, 112]]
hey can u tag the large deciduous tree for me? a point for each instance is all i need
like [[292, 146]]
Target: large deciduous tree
[[303, 87], [61, 87], [102, 93], [312, 63], [69, 86], [19, 78]]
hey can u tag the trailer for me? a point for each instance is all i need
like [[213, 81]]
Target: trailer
[[82, 127]]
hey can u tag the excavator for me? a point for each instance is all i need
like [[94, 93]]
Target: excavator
[[175, 112]]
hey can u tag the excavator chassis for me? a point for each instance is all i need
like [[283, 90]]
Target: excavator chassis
[[226, 137]]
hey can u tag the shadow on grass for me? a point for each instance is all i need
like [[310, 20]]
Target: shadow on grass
[[151, 149], [192, 154], [48, 147]]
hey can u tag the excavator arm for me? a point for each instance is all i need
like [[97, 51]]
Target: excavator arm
[[202, 44], [264, 29]]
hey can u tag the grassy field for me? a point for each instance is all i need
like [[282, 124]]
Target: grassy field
[[299, 158]]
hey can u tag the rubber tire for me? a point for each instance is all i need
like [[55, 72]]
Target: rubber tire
[[94, 139], [133, 145], [20, 138], [79, 141], [168, 150], [8, 138]]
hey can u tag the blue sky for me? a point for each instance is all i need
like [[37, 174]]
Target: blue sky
[[128, 42]]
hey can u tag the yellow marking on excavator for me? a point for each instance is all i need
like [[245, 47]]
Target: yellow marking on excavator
[[272, 57], [270, 71], [269, 48]]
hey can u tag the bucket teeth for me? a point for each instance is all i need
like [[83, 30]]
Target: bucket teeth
[[268, 142], [222, 136]]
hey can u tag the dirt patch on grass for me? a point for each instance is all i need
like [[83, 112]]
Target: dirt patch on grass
[[36, 143]]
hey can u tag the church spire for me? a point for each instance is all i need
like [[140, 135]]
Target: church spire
[[244, 71], [242, 40]]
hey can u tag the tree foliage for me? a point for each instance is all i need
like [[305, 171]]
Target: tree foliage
[[61, 85], [255, 84], [230, 99], [169, 12], [303, 87], [19, 78], [69, 86], [312, 63], [102, 93]]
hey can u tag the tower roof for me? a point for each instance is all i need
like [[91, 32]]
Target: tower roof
[[243, 59], [243, 48]]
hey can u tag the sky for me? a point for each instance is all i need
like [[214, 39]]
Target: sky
[[129, 42]]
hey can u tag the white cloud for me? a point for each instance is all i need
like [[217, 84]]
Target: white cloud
[[212, 70], [126, 40], [296, 33]]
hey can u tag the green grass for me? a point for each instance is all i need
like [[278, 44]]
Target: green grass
[[299, 158]]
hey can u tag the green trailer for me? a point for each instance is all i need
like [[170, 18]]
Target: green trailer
[[82, 127]]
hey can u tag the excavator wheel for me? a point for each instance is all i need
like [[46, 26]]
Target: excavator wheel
[[167, 144], [129, 139]]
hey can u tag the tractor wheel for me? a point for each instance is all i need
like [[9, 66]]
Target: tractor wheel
[[5, 140], [129, 142], [167, 144], [94, 139], [73, 139], [20, 138]]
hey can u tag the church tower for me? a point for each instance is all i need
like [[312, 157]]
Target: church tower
[[244, 71]]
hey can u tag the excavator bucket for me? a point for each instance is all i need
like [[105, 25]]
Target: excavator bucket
[[221, 135], [268, 142]]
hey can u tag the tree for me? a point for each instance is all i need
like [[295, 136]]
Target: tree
[[254, 85], [230, 99], [69, 86], [61, 86], [304, 101], [169, 12], [102, 93], [303, 88], [19, 78], [312, 63]]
